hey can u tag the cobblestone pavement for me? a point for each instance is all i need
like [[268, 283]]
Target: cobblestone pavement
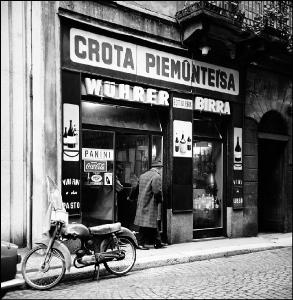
[[259, 275]]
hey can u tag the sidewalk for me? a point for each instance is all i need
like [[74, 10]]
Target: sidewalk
[[202, 249]]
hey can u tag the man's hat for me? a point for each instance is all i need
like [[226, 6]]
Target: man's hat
[[157, 163]]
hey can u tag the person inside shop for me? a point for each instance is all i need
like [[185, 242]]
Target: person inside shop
[[126, 201], [121, 195], [149, 197], [132, 202]]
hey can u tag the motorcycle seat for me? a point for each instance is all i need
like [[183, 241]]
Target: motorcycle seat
[[106, 228]]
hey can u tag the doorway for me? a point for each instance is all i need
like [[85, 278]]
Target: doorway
[[270, 188], [272, 141]]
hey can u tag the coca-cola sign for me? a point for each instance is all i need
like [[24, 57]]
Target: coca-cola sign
[[95, 166]]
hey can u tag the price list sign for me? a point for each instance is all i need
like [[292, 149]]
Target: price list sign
[[237, 190]]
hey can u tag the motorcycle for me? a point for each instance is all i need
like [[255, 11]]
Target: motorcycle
[[112, 245]]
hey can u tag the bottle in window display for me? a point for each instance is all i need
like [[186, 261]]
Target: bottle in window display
[[182, 145], [238, 151], [189, 143], [75, 135], [70, 136], [65, 137], [176, 143]]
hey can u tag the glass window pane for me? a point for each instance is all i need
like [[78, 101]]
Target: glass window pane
[[203, 128], [132, 156], [157, 148], [207, 184], [97, 178], [132, 159]]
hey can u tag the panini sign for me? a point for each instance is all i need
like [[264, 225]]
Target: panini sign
[[104, 52], [97, 154]]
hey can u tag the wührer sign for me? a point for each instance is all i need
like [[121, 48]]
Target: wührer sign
[[92, 49]]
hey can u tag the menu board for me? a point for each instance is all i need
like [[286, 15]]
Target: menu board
[[237, 190]]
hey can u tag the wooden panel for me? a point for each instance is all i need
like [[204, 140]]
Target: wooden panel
[[182, 198], [71, 87], [182, 171], [250, 162]]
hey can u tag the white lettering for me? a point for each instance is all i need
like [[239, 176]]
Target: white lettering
[[124, 91], [151, 96], [138, 94], [226, 108], [199, 103], [211, 105], [93, 87], [163, 98], [109, 89]]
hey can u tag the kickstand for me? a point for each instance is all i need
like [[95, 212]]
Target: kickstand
[[97, 271]]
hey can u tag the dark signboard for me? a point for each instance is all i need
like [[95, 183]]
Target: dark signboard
[[71, 187], [237, 189]]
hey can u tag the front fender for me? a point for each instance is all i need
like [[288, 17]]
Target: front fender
[[61, 247], [127, 233]]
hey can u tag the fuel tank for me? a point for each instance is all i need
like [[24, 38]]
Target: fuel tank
[[77, 229]]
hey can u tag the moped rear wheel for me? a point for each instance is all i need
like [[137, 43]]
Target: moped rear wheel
[[47, 276], [122, 266]]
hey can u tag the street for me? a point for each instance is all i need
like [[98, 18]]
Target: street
[[259, 275]]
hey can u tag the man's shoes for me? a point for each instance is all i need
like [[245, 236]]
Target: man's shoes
[[160, 245], [143, 247]]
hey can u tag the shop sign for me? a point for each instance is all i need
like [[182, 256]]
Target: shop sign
[[104, 52], [95, 166], [126, 92], [93, 154], [211, 105], [70, 195], [182, 103], [97, 179], [182, 139]]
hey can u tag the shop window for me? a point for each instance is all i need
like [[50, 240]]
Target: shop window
[[132, 156], [207, 177], [157, 147], [132, 159], [97, 177]]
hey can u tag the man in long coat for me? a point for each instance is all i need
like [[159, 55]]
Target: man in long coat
[[150, 195]]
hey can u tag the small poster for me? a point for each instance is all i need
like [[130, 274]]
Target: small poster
[[182, 103], [108, 179], [237, 148], [95, 166], [182, 139], [70, 132]]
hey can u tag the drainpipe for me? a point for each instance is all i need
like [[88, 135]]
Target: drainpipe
[[30, 138]]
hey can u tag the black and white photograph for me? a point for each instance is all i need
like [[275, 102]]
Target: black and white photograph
[[146, 149]]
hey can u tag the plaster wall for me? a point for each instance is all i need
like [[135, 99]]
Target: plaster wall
[[179, 227], [13, 121], [126, 16]]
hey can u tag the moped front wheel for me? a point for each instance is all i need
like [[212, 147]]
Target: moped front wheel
[[121, 266], [41, 272]]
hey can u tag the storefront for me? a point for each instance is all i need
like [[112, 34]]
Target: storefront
[[128, 103]]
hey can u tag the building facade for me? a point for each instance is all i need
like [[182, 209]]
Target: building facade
[[96, 92]]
